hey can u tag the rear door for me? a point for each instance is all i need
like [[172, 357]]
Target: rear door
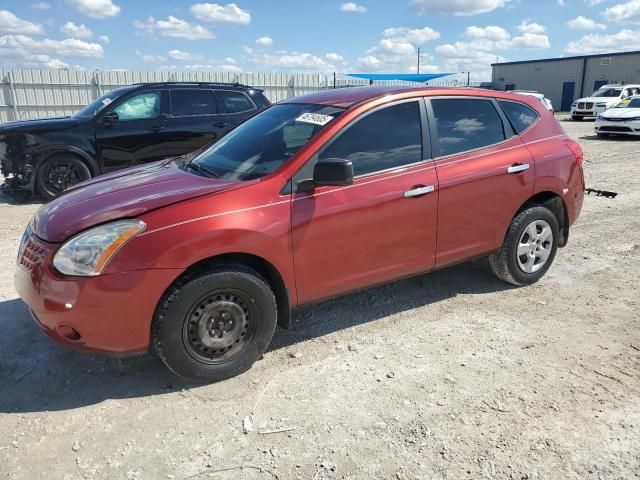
[[193, 122], [485, 174], [384, 225], [235, 107], [138, 136]]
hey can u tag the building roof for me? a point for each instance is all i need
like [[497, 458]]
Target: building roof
[[577, 57]]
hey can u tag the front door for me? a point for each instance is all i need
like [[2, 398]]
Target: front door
[[137, 136], [384, 225]]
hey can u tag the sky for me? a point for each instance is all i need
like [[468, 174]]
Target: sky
[[319, 36]]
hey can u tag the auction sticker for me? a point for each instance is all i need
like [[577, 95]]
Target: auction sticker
[[315, 118], [106, 101]]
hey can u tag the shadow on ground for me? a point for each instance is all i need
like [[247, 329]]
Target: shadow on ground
[[38, 375]]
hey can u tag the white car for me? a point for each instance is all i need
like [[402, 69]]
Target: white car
[[544, 100], [623, 119], [607, 96]]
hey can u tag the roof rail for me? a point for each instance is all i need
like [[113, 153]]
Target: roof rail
[[223, 84]]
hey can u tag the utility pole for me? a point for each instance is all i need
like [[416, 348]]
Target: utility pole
[[418, 72], [468, 78]]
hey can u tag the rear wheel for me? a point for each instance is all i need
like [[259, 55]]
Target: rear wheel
[[59, 172], [529, 247], [215, 324]]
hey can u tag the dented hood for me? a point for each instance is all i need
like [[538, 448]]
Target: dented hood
[[123, 194]]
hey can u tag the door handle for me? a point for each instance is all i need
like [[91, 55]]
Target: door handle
[[220, 124], [157, 128], [520, 167], [419, 191]]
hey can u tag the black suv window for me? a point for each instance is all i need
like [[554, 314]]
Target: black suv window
[[235, 102], [520, 116], [466, 124], [140, 106], [384, 139], [192, 102]]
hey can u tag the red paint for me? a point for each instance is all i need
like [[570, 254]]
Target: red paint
[[323, 243]]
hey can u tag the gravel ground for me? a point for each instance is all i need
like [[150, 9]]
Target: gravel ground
[[450, 375]]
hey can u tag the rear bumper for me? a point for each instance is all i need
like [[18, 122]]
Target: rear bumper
[[107, 314]]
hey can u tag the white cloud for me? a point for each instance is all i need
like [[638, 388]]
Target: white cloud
[[602, 43], [264, 41], [334, 57], [151, 58], [215, 13], [623, 12], [416, 36], [491, 32], [285, 60], [584, 23], [21, 45], [531, 41], [531, 27], [173, 27], [72, 30], [95, 8], [561, 3], [185, 56], [458, 57], [41, 6], [497, 38], [104, 39], [352, 7], [457, 7], [9, 23]]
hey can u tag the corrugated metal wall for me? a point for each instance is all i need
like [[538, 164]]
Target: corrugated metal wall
[[26, 94]]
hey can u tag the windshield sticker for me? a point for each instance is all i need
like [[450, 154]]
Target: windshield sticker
[[106, 101], [315, 118]]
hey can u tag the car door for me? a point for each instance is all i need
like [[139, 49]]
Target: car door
[[193, 122], [381, 227], [137, 135], [485, 174], [234, 108]]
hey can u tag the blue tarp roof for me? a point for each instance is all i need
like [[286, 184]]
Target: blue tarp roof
[[407, 77]]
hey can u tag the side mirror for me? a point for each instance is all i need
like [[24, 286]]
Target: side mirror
[[110, 118], [334, 171]]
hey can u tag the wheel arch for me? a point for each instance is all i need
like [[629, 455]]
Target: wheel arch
[[71, 150], [557, 205]]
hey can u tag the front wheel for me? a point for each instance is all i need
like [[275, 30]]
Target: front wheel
[[59, 172], [529, 247], [215, 324]]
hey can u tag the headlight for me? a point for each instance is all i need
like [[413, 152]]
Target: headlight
[[574, 104], [601, 104], [600, 117], [88, 253]]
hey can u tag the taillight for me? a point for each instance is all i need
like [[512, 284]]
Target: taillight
[[576, 150]]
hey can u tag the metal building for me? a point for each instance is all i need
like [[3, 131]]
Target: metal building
[[565, 79]]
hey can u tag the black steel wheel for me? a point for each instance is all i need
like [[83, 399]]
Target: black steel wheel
[[215, 323], [60, 172]]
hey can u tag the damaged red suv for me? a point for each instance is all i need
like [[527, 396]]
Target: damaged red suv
[[198, 258]]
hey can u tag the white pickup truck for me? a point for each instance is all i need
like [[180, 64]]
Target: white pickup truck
[[606, 97]]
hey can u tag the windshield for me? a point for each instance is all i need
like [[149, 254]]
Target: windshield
[[98, 105], [607, 92], [633, 103], [263, 143]]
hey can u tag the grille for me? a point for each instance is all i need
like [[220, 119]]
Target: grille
[[615, 129], [617, 119], [580, 105], [32, 253], [589, 105]]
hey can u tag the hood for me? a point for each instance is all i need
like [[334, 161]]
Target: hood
[[608, 100], [124, 194], [621, 113], [30, 126]]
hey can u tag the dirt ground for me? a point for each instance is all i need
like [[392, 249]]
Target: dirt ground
[[451, 375]]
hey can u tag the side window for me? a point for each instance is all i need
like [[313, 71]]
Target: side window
[[138, 107], [386, 138], [520, 116], [235, 102], [466, 124], [192, 102]]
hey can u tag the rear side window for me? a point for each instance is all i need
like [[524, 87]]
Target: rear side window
[[192, 102], [384, 139], [520, 116], [466, 124], [235, 102]]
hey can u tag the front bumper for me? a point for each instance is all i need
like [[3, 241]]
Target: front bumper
[[620, 127], [587, 110], [108, 313]]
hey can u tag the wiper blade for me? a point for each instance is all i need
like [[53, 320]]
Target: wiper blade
[[200, 169]]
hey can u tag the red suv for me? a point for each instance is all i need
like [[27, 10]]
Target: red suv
[[199, 257]]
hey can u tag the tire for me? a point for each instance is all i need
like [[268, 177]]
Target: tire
[[59, 172], [576, 118], [521, 270], [215, 324]]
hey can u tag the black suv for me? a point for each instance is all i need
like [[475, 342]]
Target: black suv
[[127, 126]]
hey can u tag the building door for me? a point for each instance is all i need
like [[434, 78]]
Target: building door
[[509, 86], [567, 96], [598, 83]]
